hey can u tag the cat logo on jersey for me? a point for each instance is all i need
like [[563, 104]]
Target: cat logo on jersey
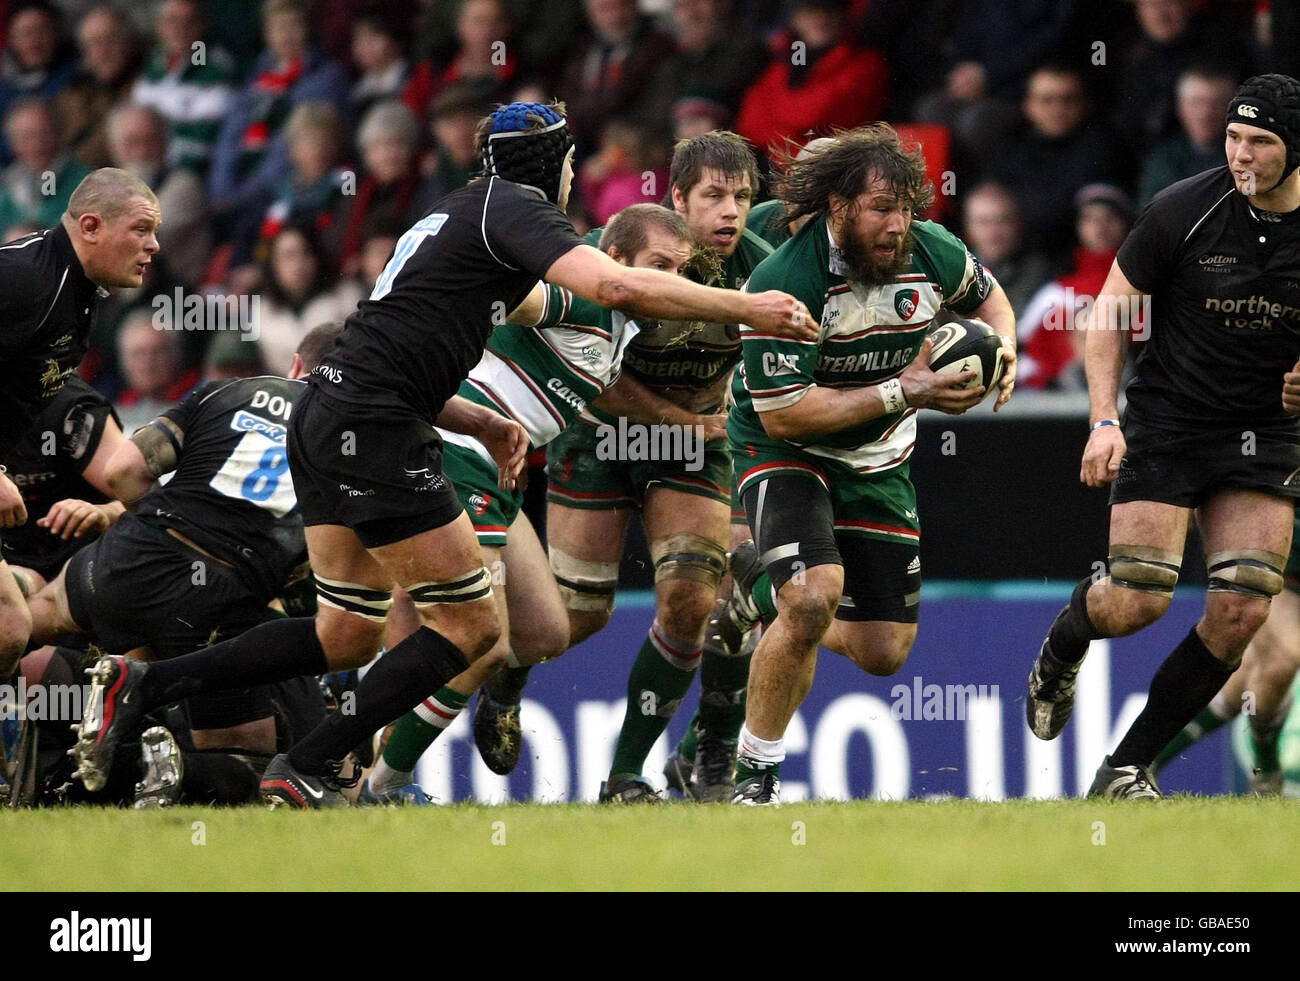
[[905, 302], [479, 503]]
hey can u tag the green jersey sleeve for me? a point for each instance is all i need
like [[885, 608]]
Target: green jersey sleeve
[[962, 278]]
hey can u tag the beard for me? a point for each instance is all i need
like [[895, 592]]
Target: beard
[[865, 267]]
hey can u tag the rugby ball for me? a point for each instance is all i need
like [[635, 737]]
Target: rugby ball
[[967, 345]]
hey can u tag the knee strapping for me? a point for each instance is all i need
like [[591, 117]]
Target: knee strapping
[[689, 556], [476, 585], [586, 587], [1146, 569], [371, 604], [1249, 571]]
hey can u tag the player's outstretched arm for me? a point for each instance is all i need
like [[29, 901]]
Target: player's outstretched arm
[[1103, 359], [504, 438], [628, 397], [137, 463], [996, 311], [829, 410], [650, 293]]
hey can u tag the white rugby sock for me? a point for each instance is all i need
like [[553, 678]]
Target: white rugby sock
[[760, 750]]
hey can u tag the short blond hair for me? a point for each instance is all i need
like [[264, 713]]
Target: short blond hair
[[107, 192]]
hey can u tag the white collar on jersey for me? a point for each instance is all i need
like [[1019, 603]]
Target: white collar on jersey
[[837, 265]]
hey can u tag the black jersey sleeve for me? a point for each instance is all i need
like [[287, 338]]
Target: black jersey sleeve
[[182, 413], [525, 231], [83, 417], [1146, 257]]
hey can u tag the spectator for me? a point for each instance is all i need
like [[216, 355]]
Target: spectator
[[715, 57], [608, 71], [543, 36], [1173, 38], [252, 153], [696, 114], [625, 171], [35, 188], [484, 58], [1054, 151], [995, 233], [296, 296], [377, 247], [1051, 345], [137, 139], [110, 62], [379, 54], [456, 114], [816, 79], [152, 366], [313, 190], [1203, 97], [36, 62], [188, 81], [390, 180]]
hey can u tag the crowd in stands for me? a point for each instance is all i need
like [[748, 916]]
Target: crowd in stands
[[291, 144]]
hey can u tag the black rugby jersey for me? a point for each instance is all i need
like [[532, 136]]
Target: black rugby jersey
[[1224, 282], [232, 494], [453, 276], [46, 465], [46, 310]]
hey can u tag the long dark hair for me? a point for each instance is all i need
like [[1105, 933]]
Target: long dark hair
[[846, 167], [271, 288]]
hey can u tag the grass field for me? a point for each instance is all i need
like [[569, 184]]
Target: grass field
[[1181, 844]]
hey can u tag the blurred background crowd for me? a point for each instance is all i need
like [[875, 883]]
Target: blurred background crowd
[[291, 143]]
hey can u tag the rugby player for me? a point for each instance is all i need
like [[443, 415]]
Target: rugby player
[[543, 378], [1262, 687], [367, 463], [200, 557], [821, 431], [678, 374], [1204, 430], [60, 467], [50, 282]]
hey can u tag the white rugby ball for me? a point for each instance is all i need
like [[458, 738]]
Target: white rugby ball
[[962, 345]]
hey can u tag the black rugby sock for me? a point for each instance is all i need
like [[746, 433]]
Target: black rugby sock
[[1072, 630], [398, 681], [1183, 685], [273, 651]]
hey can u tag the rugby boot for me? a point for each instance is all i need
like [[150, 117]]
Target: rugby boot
[[283, 786], [112, 711], [1124, 783], [164, 768]]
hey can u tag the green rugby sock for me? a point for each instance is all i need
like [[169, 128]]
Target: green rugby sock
[[661, 676], [1207, 720], [723, 682], [686, 748], [417, 729]]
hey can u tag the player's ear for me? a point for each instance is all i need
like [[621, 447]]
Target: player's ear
[[617, 256], [298, 369], [679, 200], [90, 224]]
